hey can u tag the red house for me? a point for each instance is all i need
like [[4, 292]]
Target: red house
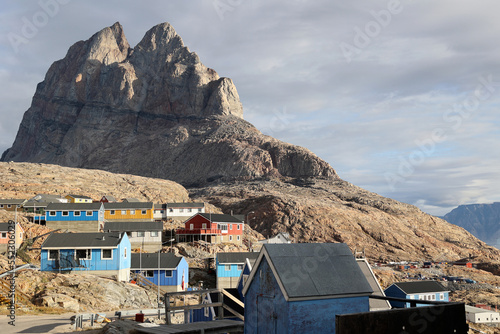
[[213, 228]]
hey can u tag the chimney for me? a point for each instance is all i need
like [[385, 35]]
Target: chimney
[[103, 238]]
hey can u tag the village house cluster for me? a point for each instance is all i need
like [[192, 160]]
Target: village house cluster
[[273, 290]]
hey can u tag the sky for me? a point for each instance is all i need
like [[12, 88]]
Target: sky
[[400, 97]]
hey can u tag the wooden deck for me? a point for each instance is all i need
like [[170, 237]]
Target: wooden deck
[[212, 327]]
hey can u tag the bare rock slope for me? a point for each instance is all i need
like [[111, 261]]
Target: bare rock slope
[[154, 110]]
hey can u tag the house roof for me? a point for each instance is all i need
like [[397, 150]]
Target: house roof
[[130, 200], [34, 204], [83, 240], [78, 196], [128, 205], [282, 237], [129, 226], [424, 286], [185, 205], [48, 198], [73, 206], [150, 261], [375, 304], [310, 271], [236, 257], [12, 201], [220, 218], [109, 198], [4, 227]]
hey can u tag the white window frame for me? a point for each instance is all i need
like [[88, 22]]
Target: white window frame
[[199, 210], [238, 226], [145, 212], [226, 266], [9, 206], [181, 210], [140, 234], [132, 212], [189, 210], [441, 296], [124, 212], [240, 267], [112, 212], [147, 272], [204, 226], [1, 205], [171, 273], [125, 252], [88, 254], [153, 233], [51, 258], [230, 226], [191, 226], [77, 213], [106, 258], [230, 238], [89, 213], [65, 213], [238, 237]]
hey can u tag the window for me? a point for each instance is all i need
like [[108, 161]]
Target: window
[[53, 254], [132, 212], [223, 227], [238, 237], [77, 213], [240, 267], [150, 273], [65, 213], [154, 233], [189, 210], [140, 234], [204, 225], [4, 235], [181, 210], [170, 210], [125, 253], [124, 212], [83, 254], [441, 296], [145, 212], [230, 238], [1, 205], [52, 213], [107, 254], [89, 213], [227, 267], [168, 273], [238, 226], [9, 206], [191, 226], [199, 210], [433, 297], [230, 226], [111, 212]]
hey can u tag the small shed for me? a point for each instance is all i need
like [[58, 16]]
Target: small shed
[[481, 316], [299, 288]]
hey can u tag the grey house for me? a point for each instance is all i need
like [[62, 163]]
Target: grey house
[[144, 235]]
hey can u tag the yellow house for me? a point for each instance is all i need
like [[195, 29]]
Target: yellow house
[[78, 199], [124, 211]]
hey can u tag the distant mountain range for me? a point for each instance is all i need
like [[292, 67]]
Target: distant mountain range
[[482, 220]]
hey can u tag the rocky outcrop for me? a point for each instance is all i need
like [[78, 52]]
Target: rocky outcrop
[[482, 220], [324, 210], [154, 110]]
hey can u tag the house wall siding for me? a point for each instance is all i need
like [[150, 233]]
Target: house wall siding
[[138, 216]]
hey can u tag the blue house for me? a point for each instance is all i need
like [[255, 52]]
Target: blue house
[[172, 272], [75, 217], [229, 267], [105, 254], [300, 288], [417, 290]]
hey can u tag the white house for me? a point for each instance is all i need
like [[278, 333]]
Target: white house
[[480, 315]]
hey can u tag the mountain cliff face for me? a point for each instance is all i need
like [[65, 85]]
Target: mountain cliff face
[[154, 110], [482, 220]]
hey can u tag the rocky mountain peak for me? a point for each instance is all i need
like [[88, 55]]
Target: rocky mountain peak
[[154, 110]]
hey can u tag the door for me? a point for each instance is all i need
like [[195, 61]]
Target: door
[[266, 315]]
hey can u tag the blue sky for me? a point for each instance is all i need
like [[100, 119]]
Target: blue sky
[[400, 97]]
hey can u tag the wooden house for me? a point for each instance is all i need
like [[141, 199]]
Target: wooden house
[[75, 217], [128, 211], [229, 267], [300, 288], [171, 274], [108, 199], [5, 235], [280, 238], [183, 210], [213, 228], [104, 254], [11, 204], [78, 199], [143, 235], [479, 315], [417, 290]]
